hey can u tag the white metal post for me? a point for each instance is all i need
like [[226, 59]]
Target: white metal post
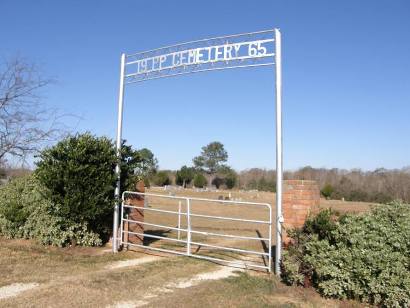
[[188, 221], [279, 151], [270, 241], [121, 237], [118, 147], [179, 220]]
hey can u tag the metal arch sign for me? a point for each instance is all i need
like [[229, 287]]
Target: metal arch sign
[[252, 49], [243, 50]]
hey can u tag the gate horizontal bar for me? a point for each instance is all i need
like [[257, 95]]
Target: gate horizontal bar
[[233, 202], [155, 236], [231, 218], [176, 252], [240, 264], [153, 225], [153, 210], [198, 199], [230, 236], [152, 195], [231, 249]]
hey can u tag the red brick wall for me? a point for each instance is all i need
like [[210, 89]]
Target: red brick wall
[[300, 197]]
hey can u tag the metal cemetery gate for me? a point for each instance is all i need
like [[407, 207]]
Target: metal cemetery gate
[[184, 235], [254, 49]]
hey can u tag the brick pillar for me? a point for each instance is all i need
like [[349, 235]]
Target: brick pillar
[[300, 198], [136, 215]]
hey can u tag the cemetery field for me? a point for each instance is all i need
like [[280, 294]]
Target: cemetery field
[[205, 230], [346, 206], [33, 275], [262, 196]]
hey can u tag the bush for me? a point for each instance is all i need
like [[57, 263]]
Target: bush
[[229, 177], [327, 191], [16, 199], [364, 257], [162, 178], [200, 181], [230, 180], [79, 174], [184, 176], [217, 182], [70, 197], [26, 212]]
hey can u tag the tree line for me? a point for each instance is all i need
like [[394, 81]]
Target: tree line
[[379, 185], [208, 168]]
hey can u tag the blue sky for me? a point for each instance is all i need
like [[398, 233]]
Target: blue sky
[[346, 77]]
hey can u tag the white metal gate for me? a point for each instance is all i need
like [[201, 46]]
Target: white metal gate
[[252, 49], [184, 236]]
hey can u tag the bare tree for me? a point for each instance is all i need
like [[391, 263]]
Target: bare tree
[[25, 123]]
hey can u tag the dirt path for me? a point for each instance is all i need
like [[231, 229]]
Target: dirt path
[[163, 291], [15, 289]]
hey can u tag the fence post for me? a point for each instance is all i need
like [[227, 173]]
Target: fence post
[[188, 210], [121, 212], [179, 220], [270, 240]]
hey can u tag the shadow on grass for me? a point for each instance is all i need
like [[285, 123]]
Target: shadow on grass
[[149, 240], [265, 248]]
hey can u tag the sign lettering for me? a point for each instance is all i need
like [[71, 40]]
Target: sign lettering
[[185, 59]]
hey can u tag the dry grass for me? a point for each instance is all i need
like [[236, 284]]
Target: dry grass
[[70, 278], [78, 277], [26, 261], [345, 206], [247, 290]]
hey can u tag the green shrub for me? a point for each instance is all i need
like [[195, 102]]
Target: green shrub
[[16, 198], [230, 181], [200, 181], [70, 197], [184, 176], [229, 176], [327, 191], [79, 174], [322, 224], [26, 199], [57, 231], [161, 178], [364, 257]]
